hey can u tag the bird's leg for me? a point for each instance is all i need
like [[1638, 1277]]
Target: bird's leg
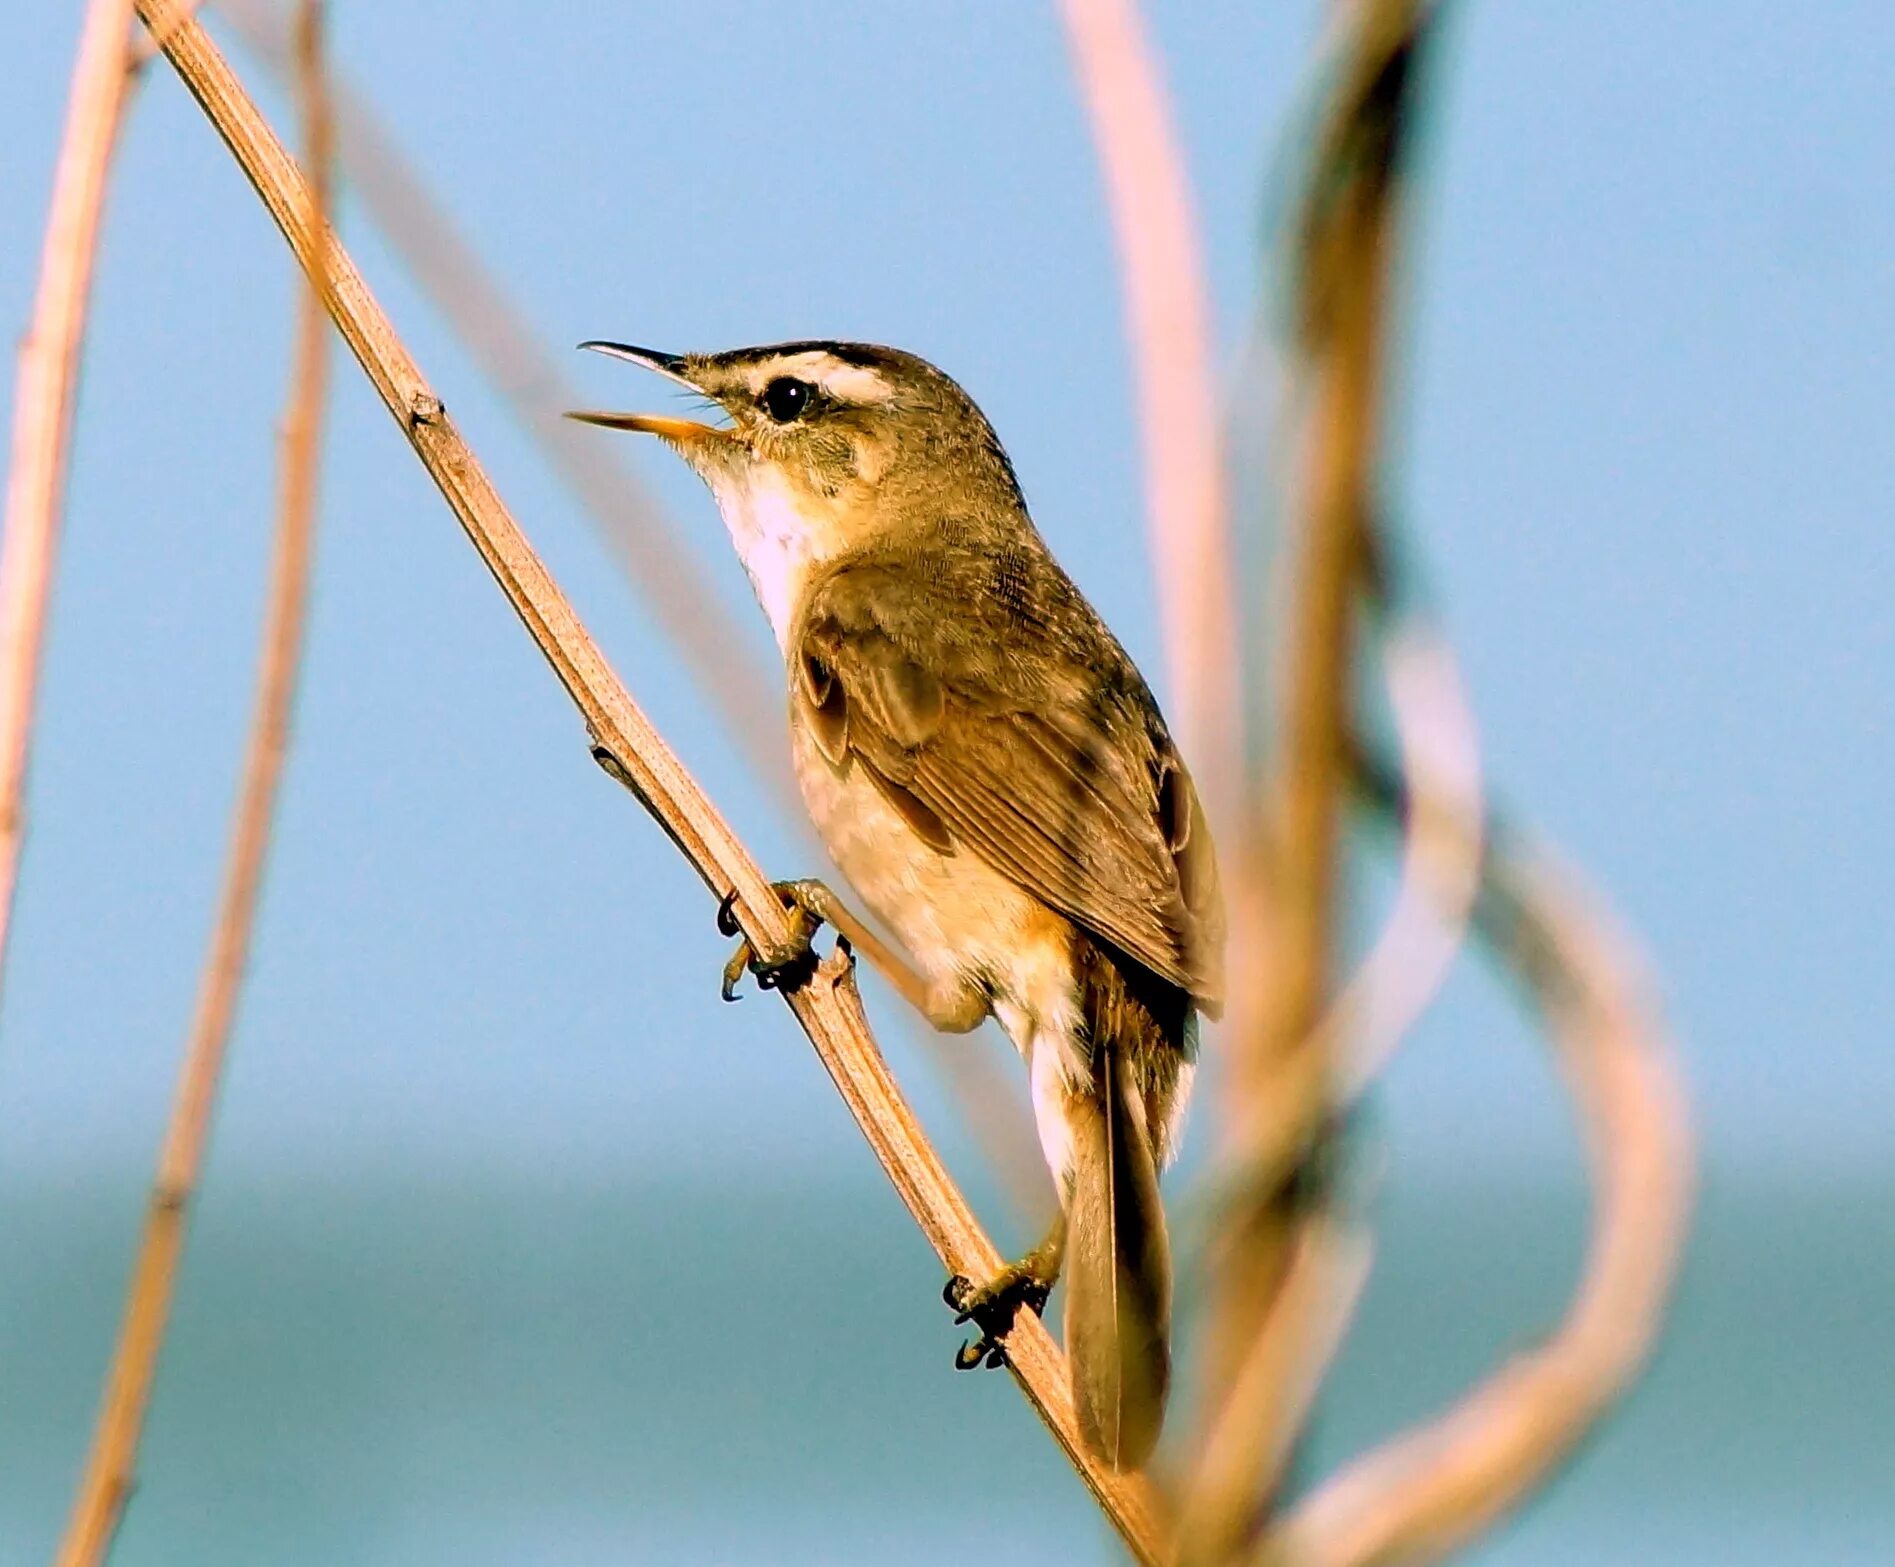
[[992, 1306], [952, 1009]]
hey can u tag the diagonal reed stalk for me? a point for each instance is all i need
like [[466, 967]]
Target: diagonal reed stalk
[[657, 561], [643, 540], [106, 1484], [827, 1007], [43, 403]]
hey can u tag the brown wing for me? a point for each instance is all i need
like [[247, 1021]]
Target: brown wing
[[1016, 729]]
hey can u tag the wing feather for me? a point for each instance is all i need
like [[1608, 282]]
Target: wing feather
[[1027, 739]]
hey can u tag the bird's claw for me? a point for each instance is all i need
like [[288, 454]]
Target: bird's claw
[[783, 969], [970, 1357], [992, 1308], [734, 972], [726, 914]]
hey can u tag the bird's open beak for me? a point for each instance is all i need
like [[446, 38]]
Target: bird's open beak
[[671, 367], [651, 424]]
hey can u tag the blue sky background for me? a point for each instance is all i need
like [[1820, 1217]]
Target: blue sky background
[[1644, 451]]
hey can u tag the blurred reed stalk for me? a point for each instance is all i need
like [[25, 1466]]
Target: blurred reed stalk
[[1290, 1265], [1439, 876], [628, 747], [1278, 1118], [1166, 289], [1194, 551], [43, 396], [107, 1481]]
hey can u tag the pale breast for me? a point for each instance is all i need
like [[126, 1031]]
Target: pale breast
[[954, 913]]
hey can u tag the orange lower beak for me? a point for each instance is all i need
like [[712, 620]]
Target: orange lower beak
[[652, 424]]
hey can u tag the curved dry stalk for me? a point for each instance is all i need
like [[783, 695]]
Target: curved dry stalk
[[1440, 866], [43, 403], [1429, 1491], [1168, 326], [1149, 195], [1282, 1089], [108, 1476], [827, 1007]]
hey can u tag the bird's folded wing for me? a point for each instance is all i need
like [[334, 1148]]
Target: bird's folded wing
[[1038, 750]]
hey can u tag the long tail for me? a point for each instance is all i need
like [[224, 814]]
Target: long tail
[[1117, 1267]]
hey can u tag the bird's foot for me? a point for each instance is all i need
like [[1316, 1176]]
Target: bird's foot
[[787, 966], [993, 1306]]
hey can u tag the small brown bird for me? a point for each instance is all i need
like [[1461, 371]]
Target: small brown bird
[[991, 774]]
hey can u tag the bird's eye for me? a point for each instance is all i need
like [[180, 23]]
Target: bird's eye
[[785, 398]]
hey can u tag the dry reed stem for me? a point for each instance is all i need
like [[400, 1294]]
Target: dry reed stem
[[1436, 1488], [1167, 315], [827, 1007], [1424, 1494], [1281, 1088], [644, 542], [148, 46], [1168, 327], [107, 1482], [1427, 1492], [43, 398]]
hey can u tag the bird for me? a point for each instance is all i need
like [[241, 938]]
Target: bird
[[992, 776]]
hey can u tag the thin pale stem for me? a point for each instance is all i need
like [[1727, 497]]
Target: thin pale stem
[[827, 1007], [1168, 326], [1323, 1277], [1440, 866], [107, 1481], [43, 405]]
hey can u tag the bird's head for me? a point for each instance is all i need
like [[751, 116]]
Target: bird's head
[[827, 447]]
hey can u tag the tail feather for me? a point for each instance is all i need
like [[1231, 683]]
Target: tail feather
[[1117, 1269]]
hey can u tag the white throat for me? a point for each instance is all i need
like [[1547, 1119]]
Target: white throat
[[771, 537]]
